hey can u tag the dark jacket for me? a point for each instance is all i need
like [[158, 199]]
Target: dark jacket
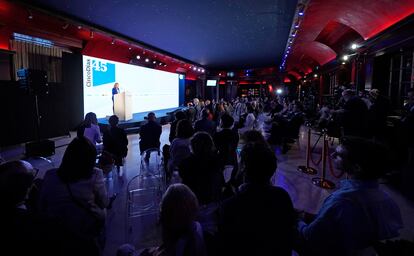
[[115, 142], [204, 176], [355, 117], [259, 220], [226, 142], [150, 136], [205, 125]]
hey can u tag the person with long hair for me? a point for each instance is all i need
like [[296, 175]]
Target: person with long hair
[[180, 146], [90, 129], [75, 194]]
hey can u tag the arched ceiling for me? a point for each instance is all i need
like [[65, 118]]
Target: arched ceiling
[[215, 34], [334, 23]]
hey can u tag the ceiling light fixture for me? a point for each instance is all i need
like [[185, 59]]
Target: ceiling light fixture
[[146, 60], [30, 16], [354, 46], [113, 41]]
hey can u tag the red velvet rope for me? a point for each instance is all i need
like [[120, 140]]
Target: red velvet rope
[[313, 161]]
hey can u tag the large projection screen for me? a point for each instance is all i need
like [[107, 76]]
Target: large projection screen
[[151, 89]]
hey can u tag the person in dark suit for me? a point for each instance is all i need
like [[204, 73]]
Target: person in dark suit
[[259, 219], [115, 141], [205, 124], [115, 90], [150, 134]]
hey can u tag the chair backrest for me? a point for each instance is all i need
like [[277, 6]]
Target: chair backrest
[[151, 161]]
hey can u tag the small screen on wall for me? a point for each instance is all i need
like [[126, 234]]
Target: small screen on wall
[[211, 82]]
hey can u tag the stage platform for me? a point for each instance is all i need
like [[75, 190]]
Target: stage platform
[[132, 126]]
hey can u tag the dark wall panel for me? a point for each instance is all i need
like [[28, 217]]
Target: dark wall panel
[[60, 110]]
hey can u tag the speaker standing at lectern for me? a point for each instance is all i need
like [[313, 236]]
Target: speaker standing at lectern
[[115, 90]]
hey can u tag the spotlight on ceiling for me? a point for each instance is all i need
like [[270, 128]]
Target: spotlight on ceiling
[[160, 63], [300, 13], [343, 63], [345, 57], [296, 26], [315, 75], [194, 68], [199, 70], [279, 91], [146, 60], [113, 41], [202, 71], [130, 48], [30, 16], [165, 65], [354, 46], [79, 27], [138, 57], [154, 62]]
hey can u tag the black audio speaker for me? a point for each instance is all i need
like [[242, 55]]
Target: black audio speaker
[[40, 148], [35, 80]]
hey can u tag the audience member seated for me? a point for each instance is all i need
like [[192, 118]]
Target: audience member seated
[[180, 146], [115, 142], [179, 115], [202, 171], [205, 124], [254, 136], [248, 120], [259, 219], [285, 128], [377, 114], [23, 233], [226, 141], [181, 234], [353, 117], [359, 213], [75, 195], [150, 134], [90, 129], [239, 109]]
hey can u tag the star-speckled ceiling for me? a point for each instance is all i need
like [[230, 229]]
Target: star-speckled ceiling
[[216, 34]]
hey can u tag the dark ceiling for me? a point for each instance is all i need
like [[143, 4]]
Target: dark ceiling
[[216, 34]]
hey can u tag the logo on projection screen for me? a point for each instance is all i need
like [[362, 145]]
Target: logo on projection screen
[[102, 73]]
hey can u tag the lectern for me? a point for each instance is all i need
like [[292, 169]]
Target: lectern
[[123, 106]]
